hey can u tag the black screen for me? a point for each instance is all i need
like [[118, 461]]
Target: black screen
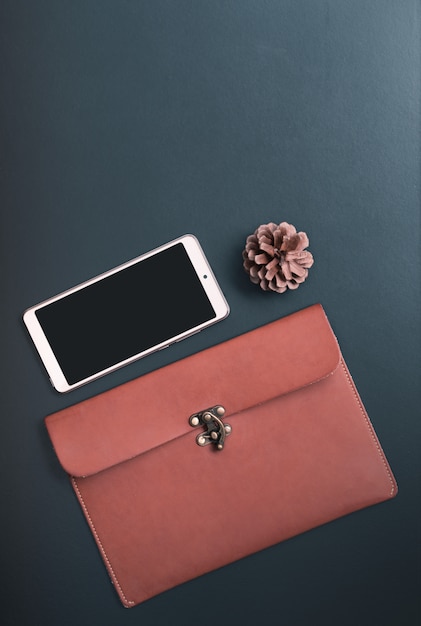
[[126, 313]]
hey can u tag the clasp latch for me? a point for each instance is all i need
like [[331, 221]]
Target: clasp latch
[[216, 430]]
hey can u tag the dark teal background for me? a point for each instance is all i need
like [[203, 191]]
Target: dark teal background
[[126, 124]]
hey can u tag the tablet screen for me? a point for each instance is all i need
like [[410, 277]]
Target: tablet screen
[[125, 313]]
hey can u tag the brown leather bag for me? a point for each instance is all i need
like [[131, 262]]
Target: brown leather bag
[[169, 495]]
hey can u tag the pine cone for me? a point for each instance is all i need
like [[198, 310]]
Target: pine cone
[[275, 258]]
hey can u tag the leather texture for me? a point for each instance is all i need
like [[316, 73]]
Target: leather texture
[[302, 452]]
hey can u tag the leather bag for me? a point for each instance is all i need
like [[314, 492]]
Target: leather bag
[[157, 464]]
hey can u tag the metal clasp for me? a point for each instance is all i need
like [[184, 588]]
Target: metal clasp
[[216, 430]]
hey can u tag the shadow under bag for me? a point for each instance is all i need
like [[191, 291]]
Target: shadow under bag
[[264, 436]]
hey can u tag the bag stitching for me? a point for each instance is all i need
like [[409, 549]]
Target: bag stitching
[[101, 547], [370, 428]]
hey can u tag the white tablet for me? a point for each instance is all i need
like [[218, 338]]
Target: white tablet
[[126, 313]]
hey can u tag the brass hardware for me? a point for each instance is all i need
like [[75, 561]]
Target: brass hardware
[[216, 430]]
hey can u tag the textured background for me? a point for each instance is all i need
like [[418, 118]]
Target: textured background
[[125, 124]]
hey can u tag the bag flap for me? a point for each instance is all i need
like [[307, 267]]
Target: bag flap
[[117, 425]]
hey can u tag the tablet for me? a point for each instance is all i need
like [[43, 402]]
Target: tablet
[[126, 313]]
